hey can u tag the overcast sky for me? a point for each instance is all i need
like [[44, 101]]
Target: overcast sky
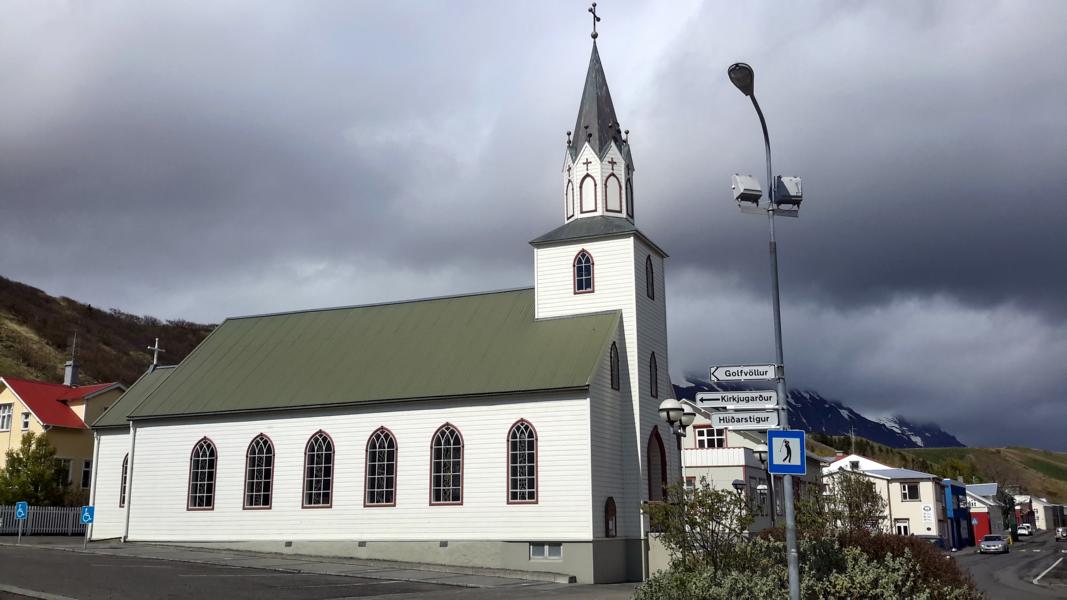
[[236, 157]]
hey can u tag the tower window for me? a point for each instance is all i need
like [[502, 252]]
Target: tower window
[[653, 376], [570, 199], [613, 194], [650, 278], [583, 273], [614, 359], [629, 198], [587, 194]]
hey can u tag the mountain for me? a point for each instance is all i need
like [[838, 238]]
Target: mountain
[[810, 411], [37, 330]]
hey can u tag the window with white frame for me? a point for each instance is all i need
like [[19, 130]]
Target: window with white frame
[[542, 551], [709, 437], [381, 469], [25, 421], [903, 526], [122, 481], [202, 464], [318, 471], [909, 492], [5, 416], [522, 463], [446, 475], [583, 273], [259, 473], [87, 473], [63, 475]]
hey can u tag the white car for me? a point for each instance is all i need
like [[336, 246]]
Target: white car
[[1026, 529]]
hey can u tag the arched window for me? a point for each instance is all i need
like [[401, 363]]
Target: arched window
[[202, 465], [587, 194], [613, 194], [653, 376], [629, 198], [522, 464], [614, 360], [650, 278], [583, 273], [318, 471], [446, 470], [380, 482], [610, 518], [259, 472], [657, 466], [122, 481], [570, 199]]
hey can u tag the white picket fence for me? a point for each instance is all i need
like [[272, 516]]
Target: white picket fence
[[43, 520]]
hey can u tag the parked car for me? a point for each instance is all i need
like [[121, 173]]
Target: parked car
[[1061, 533], [1026, 529], [993, 543]]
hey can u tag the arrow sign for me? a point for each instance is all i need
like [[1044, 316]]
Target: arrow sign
[[749, 419], [767, 399], [744, 372]]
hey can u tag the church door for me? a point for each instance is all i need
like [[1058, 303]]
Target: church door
[[657, 467]]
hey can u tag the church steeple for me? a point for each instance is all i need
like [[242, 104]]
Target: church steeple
[[598, 167]]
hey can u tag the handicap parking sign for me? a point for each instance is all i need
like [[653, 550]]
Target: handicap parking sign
[[22, 511], [87, 515]]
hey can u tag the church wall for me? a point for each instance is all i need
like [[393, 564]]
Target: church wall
[[109, 518], [561, 514], [613, 286]]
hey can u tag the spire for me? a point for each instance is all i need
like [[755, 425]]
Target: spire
[[596, 122]]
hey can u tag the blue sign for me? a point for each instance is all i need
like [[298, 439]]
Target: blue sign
[[786, 452], [87, 514], [22, 511]]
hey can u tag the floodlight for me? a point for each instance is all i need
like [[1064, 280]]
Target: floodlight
[[788, 191], [746, 189]]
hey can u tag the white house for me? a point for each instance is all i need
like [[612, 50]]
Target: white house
[[513, 429]]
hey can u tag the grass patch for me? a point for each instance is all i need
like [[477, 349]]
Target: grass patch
[[1047, 468]]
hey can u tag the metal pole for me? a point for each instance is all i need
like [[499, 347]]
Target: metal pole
[[19, 542], [792, 555]]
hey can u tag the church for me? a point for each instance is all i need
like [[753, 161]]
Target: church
[[510, 429]]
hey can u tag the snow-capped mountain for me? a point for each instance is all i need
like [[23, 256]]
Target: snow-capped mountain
[[810, 411]]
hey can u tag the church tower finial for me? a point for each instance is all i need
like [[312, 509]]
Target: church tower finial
[[596, 19]]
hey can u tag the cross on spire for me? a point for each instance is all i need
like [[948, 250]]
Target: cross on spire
[[155, 352], [587, 163], [596, 19]]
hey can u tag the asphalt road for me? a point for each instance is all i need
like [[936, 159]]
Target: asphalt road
[[1011, 576]]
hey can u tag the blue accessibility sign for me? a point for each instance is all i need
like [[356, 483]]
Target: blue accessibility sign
[[87, 514], [22, 511], [786, 452]]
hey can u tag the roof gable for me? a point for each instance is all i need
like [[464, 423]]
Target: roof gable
[[47, 400], [116, 415]]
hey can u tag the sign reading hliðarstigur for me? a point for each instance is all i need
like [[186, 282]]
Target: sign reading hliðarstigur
[[755, 419]]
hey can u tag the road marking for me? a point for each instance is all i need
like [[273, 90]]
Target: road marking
[[32, 593], [1036, 579]]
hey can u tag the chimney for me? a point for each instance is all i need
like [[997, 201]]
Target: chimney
[[70, 373], [839, 454]]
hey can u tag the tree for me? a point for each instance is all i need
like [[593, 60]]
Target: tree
[[852, 504], [32, 474]]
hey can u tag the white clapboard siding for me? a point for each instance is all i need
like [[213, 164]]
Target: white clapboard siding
[[562, 513], [108, 517]]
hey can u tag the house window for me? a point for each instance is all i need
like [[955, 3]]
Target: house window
[[202, 464], [259, 472], [25, 421], [614, 359], [653, 376], [5, 417], [650, 279], [87, 473], [610, 518], [122, 481], [522, 463], [903, 526], [446, 475], [380, 485], [709, 437], [63, 471], [854, 465], [318, 471], [583, 273], [541, 551], [909, 492]]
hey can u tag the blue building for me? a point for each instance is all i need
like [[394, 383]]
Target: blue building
[[958, 515]]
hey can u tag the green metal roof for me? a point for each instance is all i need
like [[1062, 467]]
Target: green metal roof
[[116, 415], [485, 344]]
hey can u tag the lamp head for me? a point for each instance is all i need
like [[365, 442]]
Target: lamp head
[[670, 410], [739, 485], [742, 77], [688, 415]]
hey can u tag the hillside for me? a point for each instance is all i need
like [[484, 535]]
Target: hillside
[[36, 332]]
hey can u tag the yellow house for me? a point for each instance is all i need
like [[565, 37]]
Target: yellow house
[[60, 413]]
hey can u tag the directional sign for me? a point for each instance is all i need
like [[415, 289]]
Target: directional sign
[[748, 419], [22, 511], [744, 372], [87, 515], [786, 452], [767, 399]]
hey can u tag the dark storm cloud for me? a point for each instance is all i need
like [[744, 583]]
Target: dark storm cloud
[[236, 157]]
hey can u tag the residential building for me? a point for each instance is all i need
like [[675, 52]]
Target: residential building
[[1024, 510], [957, 515], [987, 514], [1047, 515]]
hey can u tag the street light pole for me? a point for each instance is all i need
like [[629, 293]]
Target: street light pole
[[743, 77]]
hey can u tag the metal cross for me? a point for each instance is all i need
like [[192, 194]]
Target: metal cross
[[612, 163], [587, 163], [155, 352], [596, 19]]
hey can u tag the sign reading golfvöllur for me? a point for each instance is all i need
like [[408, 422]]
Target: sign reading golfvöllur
[[744, 372], [754, 419], [765, 399]]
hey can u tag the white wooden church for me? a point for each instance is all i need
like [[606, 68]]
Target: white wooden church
[[513, 429]]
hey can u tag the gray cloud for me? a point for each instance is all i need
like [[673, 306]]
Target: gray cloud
[[231, 158]]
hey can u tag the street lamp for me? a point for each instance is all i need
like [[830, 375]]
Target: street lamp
[[678, 415], [739, 485], [782, 193]]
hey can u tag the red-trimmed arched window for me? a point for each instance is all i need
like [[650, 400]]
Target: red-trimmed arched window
[[583, 273], [202, 468], [522, 463], [569, 199], [650, 279], [380, 484], [446, 468], [318, 471], [587, 194], [653, 376], [613, 194], [613, 360], [259, 472]]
